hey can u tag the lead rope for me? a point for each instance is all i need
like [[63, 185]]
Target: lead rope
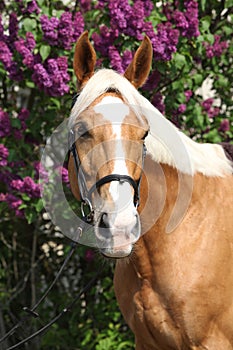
[[31, 312]]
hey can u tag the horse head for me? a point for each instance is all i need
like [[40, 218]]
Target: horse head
[[107, 143]]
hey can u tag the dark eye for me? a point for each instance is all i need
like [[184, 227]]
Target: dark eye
[[82, 130], [145, 135]]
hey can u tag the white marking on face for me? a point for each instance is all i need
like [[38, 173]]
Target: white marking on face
[[115, 110]]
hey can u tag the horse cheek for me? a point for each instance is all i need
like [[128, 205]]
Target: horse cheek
[[73, 179]]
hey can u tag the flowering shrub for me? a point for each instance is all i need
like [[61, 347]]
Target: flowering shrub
[[192, 45]]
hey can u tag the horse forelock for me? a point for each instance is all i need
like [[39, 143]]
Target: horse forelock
[[208, 159]]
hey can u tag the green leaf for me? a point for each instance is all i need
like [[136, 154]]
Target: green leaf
[[180, 60], [16, 123], [30, 215], [39, 205], [29, 24], [205, 23], [45, 51], [203, 3]]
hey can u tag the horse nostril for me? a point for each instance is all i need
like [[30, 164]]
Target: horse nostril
[[104, 223]]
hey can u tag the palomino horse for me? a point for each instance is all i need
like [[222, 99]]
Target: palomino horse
[[174, 268]]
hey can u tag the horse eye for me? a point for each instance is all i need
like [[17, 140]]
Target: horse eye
[[82, 130], [145, 135]]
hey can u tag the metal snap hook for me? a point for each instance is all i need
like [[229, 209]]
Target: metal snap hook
[[87, 209]]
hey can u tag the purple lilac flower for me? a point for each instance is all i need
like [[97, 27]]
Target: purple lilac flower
[[157, 101], [30, 187], [15, 72], [182, 108], [153, 81], [2, 197], [188, 94], [2, 36], [85, 5], [101, 4], [164, 42], [49, 28], [4, 153], [5, 125], [119, 12], [32, 7], [41, 77], [41, 173], [217, 48], [207, 104], [78, 25], [136, 20], [115, 59], [63, 172], [180, 21], [65, 30], [126, 58], [186, 21], [30, 42], [28, 58], [5, 55], [89, 255], [191, 15], [148, 7], [13, 201], [105, 39], [224, 126], [13, 28], [16, 184]]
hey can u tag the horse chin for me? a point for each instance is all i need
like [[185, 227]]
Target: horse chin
[[117, 253], [118, 242]]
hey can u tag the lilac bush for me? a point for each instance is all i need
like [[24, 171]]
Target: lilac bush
[[192, 44]]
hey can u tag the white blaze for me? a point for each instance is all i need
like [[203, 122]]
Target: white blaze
[[113, 109]]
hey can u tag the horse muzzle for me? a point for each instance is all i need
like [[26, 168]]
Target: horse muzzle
[[117, 233]]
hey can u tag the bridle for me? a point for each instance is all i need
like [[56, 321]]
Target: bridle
[[87, 209]]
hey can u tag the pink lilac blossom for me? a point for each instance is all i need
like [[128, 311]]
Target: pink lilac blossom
[[4, 153]]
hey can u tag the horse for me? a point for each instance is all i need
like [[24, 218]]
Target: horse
[[160, 204]]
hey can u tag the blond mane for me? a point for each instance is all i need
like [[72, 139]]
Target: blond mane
[[165, 143]]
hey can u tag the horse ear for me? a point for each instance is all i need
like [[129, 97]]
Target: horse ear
[[138, 70], [84, 59]]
